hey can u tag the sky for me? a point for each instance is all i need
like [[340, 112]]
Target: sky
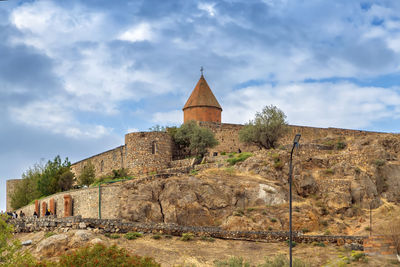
[[76, 76]]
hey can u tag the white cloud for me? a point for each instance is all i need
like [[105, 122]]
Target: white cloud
[[207, 7], [51, 116], [169, 117], [141, 32], [344, 105]]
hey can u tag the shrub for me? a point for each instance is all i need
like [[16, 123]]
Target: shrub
[[194, 172], [293, 243], [379, 162], [187, 236], [87, 175], [100, 255], [266, 128], [114, 236], [133, 235], [120, 173], [357, 255], [168, 236], [329, 171], [232, 262], [194, 138], [239, 158], [223, 153], [156, 237], [340, 145], [273, 220]]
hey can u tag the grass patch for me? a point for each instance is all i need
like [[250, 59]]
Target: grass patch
[[329, 171], [207, 238], [48, 234], [273, 220], [133, 235], [187, 236], [114, 236], [238, 157]]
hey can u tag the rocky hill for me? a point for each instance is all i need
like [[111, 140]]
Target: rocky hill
[[337, 178]]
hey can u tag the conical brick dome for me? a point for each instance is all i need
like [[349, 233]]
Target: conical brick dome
[[202, 104]]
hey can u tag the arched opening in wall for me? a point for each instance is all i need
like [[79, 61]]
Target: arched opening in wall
[[101, 166], [153, 147]]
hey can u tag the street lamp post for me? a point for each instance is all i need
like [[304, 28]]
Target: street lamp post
[[295, 143]]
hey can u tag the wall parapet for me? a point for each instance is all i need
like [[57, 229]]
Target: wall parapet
[[30, 224]]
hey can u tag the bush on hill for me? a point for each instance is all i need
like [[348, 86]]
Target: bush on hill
[[87, 175], [193, 137], [266, 128]]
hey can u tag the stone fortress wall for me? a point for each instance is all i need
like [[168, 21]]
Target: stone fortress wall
[[10, 187], [149, 152], [152, 152], [92, 202]]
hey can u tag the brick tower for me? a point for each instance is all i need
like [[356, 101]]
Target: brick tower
[[202, 104]]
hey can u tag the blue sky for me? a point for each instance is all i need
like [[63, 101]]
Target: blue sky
[[75, 76]]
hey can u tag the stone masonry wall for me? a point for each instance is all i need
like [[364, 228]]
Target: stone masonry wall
[[85, 202], [148, 151], [228, 135], [10, 188], [113, 226], [104, 162]]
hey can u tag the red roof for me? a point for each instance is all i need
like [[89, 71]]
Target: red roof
[[202, 96]]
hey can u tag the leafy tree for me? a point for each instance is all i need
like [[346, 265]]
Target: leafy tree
[[39, 181], [26, 190], [88, 174], [66, 180], [48, 183], [193, 137], [266, 128]]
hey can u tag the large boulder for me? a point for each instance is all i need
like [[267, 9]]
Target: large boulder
[[52, 245]]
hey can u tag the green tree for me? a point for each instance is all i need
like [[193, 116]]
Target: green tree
[[48, 183], [266, 128], [87, 175], [194, 138], [26, 190]]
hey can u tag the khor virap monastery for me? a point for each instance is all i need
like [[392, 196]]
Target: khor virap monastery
[[149, 152], [154, 152]]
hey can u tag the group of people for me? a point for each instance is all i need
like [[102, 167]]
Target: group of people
[[14, 214]]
